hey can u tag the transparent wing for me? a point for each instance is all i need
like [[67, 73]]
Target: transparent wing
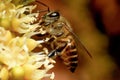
[[81, 46]]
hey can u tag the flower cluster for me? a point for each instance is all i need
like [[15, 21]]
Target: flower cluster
[[18, 61]]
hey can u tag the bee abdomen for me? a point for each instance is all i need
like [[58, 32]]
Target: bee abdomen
[[72, 66], [70, 59], [71, 63]]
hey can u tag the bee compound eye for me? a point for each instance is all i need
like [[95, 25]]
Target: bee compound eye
[[54, 14]]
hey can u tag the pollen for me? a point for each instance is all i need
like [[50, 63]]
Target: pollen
[[18, 61]]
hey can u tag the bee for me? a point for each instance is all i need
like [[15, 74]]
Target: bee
[[62, 39]]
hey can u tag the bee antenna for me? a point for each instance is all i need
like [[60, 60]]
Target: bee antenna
[[48, 9]]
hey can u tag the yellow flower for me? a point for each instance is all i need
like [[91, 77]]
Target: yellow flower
[[18, 61], [15, 18]]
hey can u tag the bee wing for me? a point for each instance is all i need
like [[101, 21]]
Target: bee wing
[[81, 46], [69, 28]]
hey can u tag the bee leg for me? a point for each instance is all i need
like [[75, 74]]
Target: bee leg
[[53, 54], [57, 52], [59, 34]]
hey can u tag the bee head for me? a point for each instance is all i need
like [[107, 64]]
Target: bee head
[[51, 17]]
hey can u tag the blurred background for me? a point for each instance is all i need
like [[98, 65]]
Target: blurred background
[[97, 24]]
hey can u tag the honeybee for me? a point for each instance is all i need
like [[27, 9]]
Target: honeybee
[[62, 39]]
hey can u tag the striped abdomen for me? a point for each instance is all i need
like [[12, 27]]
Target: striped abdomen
[[65, 48], [69, 56]]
